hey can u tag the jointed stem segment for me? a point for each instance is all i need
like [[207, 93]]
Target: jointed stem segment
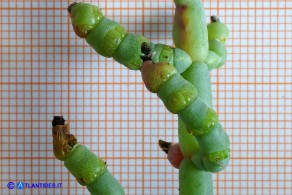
[[179, 76], [88, 169]]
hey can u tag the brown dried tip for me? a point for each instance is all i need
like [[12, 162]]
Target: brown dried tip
[[70, 7], [58, 120], [145, 48], [63, 141], [146, 52], [164, 145], [214, 19]]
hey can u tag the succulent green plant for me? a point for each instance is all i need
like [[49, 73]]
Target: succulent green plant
[[180, 77]]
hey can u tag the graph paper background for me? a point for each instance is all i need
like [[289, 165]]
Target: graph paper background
[[46, 70]]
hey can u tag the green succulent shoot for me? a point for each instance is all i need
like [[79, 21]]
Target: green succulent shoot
[[179, 75]]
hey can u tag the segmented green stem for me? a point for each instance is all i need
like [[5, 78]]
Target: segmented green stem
[[201, 136], [197, 74], [194, 181], [88, 169], [181, 97], [190, 30], [106, 37]]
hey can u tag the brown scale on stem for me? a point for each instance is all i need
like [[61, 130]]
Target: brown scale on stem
[[63, 141], [173, 151], [164, 145]]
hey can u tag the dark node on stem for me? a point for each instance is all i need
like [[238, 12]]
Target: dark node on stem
[[146, 51], [58, 120], [164, 145], [81, 181], [145, 48], [70, 7], [214, 19]]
